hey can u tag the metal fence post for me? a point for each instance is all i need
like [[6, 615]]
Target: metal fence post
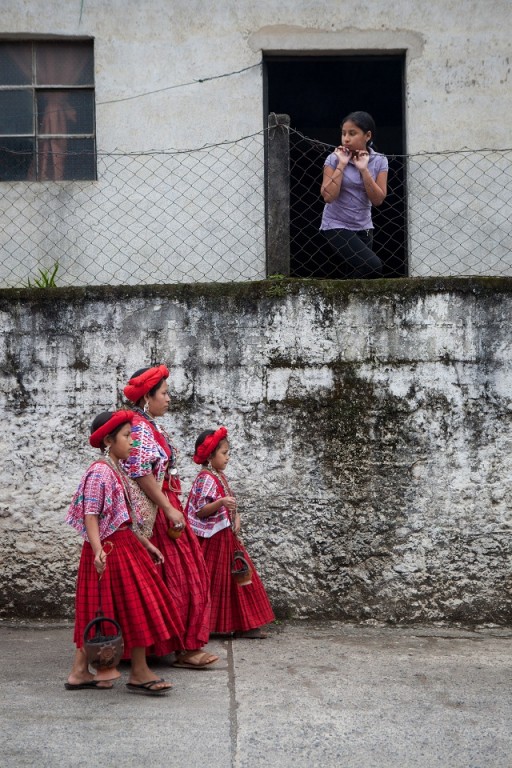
[[278, 195]]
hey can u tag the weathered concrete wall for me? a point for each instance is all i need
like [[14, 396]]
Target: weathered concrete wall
[[370, 426]]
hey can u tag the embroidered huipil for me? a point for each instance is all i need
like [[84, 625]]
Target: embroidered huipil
[[205, 489], [99, 493], [147, 456]]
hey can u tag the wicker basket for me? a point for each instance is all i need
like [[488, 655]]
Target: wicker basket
[[103, 651]]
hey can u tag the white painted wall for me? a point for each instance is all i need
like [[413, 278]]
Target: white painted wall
[[150, 60], [458, 63]]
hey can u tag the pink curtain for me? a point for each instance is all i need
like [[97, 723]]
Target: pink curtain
[[64, 64], [58, 117]]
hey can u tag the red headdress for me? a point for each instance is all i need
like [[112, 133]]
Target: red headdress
[[209, 444], [117, 418], [138, 386]]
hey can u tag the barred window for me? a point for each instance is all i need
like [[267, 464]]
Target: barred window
[[47, 123]]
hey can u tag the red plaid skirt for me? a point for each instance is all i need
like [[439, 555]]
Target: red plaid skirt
[[234, 607], [132, 593], [185, 574]]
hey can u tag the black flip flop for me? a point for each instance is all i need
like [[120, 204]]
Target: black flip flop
[[145, 688], [92, 685]]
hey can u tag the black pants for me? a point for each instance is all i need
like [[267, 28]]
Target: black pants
[[354, 255]]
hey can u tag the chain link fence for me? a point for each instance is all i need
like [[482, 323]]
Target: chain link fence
[[169, 217], [447, 213], [202, 215]]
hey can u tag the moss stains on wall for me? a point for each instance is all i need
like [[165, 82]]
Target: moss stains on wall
[[369, 424]]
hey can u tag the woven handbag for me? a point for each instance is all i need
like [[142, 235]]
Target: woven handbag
[[103, 651], [240, 569], [147, 508]]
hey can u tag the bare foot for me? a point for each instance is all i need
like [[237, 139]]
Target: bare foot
[[198, 659], [80, 677], [142, 679], [107, 674]]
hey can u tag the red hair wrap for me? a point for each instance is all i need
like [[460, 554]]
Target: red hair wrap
[[209, 444], [117, 418], [138, 386]]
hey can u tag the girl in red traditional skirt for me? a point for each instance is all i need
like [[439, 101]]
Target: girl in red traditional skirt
[[213, 516], [132, 591], [153, 459]]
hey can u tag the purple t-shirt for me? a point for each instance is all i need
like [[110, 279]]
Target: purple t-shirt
[[352, 209]]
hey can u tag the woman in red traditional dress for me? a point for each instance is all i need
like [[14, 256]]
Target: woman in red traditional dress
[[237, 607], [153, 459], [132, 591]]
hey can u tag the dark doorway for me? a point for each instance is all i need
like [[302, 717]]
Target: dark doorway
[[317, 92]]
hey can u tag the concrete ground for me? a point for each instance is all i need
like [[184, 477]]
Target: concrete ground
[[314, 694]]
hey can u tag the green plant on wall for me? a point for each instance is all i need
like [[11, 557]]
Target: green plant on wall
[[46, 278], [276, 288]]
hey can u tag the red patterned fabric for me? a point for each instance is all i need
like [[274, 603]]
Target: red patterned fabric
[[139, 385], [99, 493], [205, 489], [233, 607], [185, 574], [147, 455], [132, 593], [183, 570]]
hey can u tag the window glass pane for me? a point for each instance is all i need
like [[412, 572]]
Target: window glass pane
[[16, 112], [64, 63], [15, 64], [30, 109], [17, 160], [61, 159], [67, 112]]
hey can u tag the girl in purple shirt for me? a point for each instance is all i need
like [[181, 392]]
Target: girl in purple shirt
[[354, 179]]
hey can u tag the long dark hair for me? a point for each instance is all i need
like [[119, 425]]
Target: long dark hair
[[364, 121]]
